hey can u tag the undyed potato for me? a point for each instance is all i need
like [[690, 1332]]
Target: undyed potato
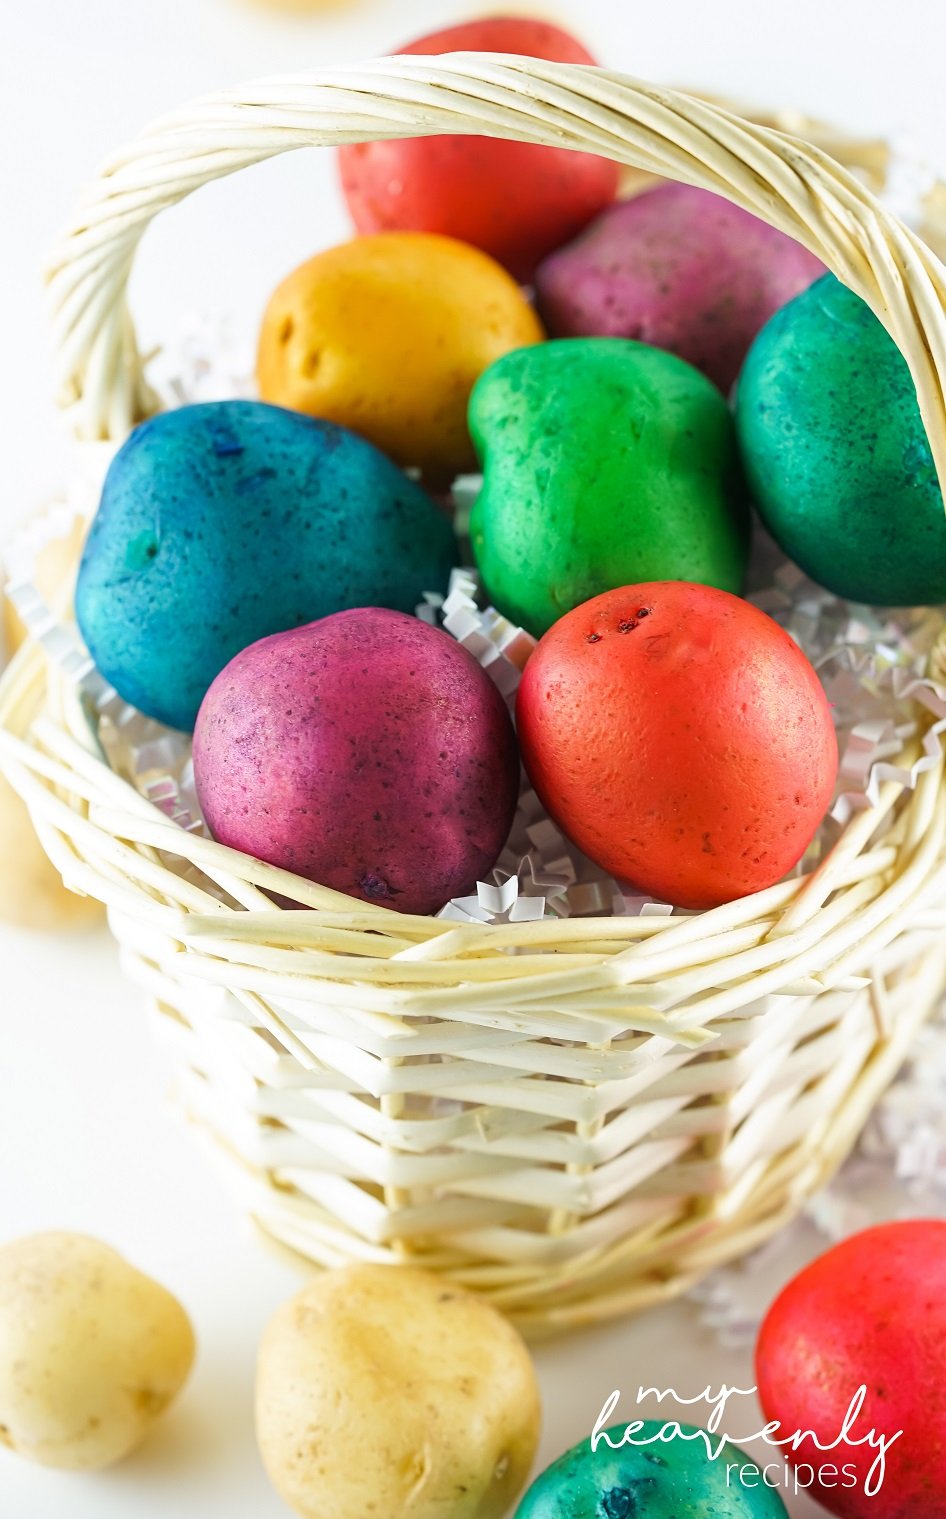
[[32, 894], [31, 891], [91, 1351], [385, 1391], [52, 575]]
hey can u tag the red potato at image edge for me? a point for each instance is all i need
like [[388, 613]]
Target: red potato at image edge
[[517, 201], [680, 738], [871, 1312]]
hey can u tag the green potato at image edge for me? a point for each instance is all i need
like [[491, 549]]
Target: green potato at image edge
[[605, 463], [672, 1479], [836, 454]]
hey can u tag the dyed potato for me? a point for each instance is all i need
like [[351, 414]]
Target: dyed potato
[[836, 454], [386, 335], [677, 267], [384, 1390], [869, 1313], [91, 1351], [368, 752], [680, 738], [604, 463], [515, 200], [668, 1478], [222, 523]]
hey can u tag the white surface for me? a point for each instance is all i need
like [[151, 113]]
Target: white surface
[[89, 1142], [78, 79], [85, 1136]]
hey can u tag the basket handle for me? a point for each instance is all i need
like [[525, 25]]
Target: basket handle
[[792, 184]]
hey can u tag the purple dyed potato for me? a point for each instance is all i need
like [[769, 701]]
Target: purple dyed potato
[[368, 752], [678, 268]]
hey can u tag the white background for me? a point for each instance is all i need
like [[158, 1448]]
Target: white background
[[86, 1140]]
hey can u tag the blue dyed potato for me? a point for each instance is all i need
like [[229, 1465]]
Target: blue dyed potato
[[664, 1480], [223, 523]]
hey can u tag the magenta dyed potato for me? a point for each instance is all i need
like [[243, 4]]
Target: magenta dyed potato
[[677, 268], [368, 752]]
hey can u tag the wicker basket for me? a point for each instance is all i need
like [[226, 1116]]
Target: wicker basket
[[586, 1125]]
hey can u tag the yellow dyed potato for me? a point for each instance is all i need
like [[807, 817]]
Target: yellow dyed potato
[[91, 1351], [382, 1390], [387, 335]]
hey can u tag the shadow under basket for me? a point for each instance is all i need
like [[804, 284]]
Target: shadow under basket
[[575, 1117]]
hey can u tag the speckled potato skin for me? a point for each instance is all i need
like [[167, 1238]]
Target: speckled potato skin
[[368, 752], [677, 267], [222, 523], [516, 200], [384, 1392], [680, 738], [605, 463], [91, 1351], [869, 1312], [672, 1479], [836, 454], [386, 335]]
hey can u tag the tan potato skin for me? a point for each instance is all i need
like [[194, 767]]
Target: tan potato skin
[[53, 572], [31, 891], [91, 1351], [386, 335], [384, 1392]]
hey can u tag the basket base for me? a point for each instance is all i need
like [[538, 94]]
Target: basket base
[[647, 1267]]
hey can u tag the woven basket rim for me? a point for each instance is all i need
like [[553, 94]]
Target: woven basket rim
[[805, 193], [567, 1219]]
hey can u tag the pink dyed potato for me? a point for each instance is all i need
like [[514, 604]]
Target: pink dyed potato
[[677, 268], [368, 752]]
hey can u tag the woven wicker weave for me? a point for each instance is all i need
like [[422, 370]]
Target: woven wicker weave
[[586, 1125]]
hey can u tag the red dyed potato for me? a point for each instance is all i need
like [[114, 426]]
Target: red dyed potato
[[680, 738], [517, 201], [871, 1313]]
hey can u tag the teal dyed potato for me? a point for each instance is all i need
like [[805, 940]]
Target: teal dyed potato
[[672, 1479], [836, 454], [605, 463], [223, 523]]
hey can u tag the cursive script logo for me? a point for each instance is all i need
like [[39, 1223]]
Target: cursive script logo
[[716, 1442]]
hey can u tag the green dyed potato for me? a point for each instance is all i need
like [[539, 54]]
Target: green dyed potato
[[836, 454], [665, 1480], [605, 463]]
